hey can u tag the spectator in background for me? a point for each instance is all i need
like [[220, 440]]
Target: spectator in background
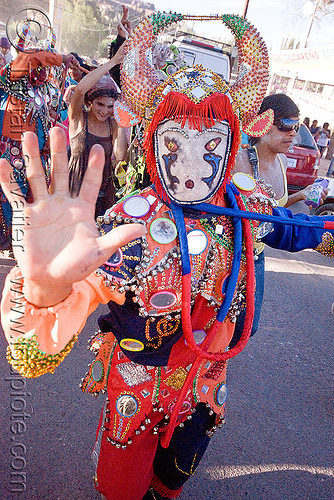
[[307, 122], [5, 50], [314, 128], [323, 138]]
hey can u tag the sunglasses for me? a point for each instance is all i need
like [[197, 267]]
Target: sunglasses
[[287, 125]]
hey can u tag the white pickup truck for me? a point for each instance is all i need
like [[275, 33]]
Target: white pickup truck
[[209, 56]]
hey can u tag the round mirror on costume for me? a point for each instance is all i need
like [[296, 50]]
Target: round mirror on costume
[[244, 182], [197, 241], [136, 206], [191, 163]]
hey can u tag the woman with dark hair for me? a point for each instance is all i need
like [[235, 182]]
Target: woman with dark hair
[[266, 160], [91, 121], [323, 138], [307, 122]]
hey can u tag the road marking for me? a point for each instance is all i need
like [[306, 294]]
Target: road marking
[[245, 470], [296, 267]]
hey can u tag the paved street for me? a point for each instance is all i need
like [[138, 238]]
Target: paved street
[[278, 440]]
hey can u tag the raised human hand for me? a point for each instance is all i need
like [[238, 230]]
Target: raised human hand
[[55, 239], [124, 27]]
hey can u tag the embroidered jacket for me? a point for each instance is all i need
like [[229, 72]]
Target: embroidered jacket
[[142, 357]]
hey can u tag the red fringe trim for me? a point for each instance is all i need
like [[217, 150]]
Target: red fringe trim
[[160, 488], [180, 108]]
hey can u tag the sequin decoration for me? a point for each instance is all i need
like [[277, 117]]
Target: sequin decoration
[[326, 246], [133, 374], [30, 361], [196, 82], [177, 379], [165, 328], [137, 74]]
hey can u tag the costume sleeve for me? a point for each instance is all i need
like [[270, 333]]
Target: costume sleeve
[[40, 338], [26, 61], [296, 238]]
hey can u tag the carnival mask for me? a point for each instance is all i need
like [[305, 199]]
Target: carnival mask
[[191, 163]]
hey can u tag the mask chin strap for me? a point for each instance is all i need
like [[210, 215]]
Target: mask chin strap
[[235, 201]]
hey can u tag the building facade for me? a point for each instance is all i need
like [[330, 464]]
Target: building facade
[[307, 76]]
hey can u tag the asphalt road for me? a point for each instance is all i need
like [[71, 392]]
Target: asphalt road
[[278, 440]]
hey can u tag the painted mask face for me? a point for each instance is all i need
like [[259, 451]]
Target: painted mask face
[[192, 164]]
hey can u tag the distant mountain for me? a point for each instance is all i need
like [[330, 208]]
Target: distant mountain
[[135, 6]]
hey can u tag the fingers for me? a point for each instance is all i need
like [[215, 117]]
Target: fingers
[[9, 186], [59, 162], [35, 171], [120, 236], [93, 177], [125, 14]]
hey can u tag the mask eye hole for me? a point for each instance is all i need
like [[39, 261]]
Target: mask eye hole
[[171, 145], [212, 144]]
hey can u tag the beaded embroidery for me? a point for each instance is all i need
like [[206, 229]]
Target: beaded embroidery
[[326, 247], [30, 361]]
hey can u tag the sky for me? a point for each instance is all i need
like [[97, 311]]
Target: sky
[[274, 19]]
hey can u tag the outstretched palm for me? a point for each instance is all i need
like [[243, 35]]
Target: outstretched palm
[[61, 242]]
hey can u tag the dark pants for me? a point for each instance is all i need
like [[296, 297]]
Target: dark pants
[[175, 464]]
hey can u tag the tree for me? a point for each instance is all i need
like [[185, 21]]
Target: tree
[[83, 27]]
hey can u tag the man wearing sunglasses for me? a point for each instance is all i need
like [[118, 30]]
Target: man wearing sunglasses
[[266, 160], [287, 124]]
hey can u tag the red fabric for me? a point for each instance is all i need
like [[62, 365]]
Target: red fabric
[[163, 490], [27, 61], [127, 474], [328, 224]]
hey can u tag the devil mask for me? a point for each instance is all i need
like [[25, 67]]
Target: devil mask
[[191, 163]]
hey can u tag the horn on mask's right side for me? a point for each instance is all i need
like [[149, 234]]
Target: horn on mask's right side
[[252, 81]]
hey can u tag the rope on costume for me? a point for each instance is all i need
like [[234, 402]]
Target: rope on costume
[[186, 285], [243, 214], [202, 353]]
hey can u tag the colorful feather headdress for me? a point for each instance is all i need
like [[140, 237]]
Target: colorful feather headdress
[[143, 92]]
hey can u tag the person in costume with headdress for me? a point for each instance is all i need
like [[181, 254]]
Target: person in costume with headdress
[[172, 262], [25, 99]]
